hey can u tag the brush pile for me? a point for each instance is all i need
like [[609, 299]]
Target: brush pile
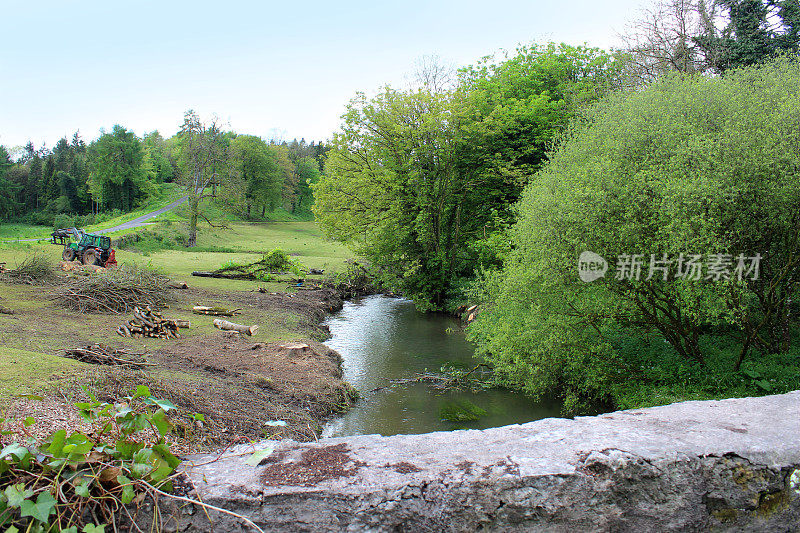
[[35, 269], [99, 354], [117, 290], [149, 323]]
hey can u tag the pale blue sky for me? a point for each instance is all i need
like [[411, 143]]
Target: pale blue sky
[[264, 67]]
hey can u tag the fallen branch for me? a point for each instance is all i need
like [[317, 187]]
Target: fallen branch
[[239, 328], [214, 311], [103, 355]]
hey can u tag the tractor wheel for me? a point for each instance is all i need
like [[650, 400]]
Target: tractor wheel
[[89, 258], [68, 254]]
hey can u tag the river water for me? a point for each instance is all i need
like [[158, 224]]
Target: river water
[[381, 339]]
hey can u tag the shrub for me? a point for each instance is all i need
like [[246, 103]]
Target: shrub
[[690, 165]]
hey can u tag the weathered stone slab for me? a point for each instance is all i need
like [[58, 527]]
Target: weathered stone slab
[[730, 465]]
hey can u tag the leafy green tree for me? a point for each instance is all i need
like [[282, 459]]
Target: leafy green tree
[[117, 179], [417, 180], [258, 170], [393, 191], [522, 103], [203, 160], [690, 165], [307, 171], [157, 164], [69, 192], [8, 190]]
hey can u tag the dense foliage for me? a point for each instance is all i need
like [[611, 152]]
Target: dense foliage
[[80, 184], [689, 166], [73, 480], [418, 181]]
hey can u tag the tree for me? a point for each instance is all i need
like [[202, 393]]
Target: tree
[[686, 166], [417, 180], [258, 170], [392, 190], [308, 174], [117, 179], [156, 163], [757, 30], [708, 36], [203, 161], [8, 190]]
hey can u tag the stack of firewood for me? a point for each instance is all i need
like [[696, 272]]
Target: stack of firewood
[[149, 323]]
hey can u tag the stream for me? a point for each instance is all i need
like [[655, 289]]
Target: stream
[[381, 339]]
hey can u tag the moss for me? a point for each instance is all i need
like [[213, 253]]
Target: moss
[[771, 502], [461, 411], [725, 515]]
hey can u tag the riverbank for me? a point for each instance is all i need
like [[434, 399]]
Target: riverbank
[[246, 388], [280, 383]]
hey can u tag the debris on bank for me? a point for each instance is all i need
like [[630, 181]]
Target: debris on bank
[[100, 354]]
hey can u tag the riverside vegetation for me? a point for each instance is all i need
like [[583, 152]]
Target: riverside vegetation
[[475, 188]]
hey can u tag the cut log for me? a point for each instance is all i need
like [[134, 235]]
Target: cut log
[[6, 311], [181, 323], [177, 285], [230, 326], [214, 311], [225, 275]]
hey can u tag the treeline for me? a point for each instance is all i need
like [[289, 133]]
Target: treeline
[[678, 153], [119, 170]]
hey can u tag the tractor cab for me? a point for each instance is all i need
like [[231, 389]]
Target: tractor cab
[[94, 241]]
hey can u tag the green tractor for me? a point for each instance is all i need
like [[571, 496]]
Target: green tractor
[[88, 248]]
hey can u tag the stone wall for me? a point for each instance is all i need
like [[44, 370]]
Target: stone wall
[[730, 465]]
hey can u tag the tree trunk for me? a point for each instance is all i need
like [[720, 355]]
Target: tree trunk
[[230, 326], [193, 206]]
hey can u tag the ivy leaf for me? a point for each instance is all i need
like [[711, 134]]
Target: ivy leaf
[[17, 494], [91, 528], [12, 529], [128, 494], [82, 490], [166, 405], [57, 441], [41, 510], [141, 390], [15, 449], [163, 451], [29, 421], [260, 455], [161, 423]]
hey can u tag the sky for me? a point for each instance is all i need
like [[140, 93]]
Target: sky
[[274, 69]]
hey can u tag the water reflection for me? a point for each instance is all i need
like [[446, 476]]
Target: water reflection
[[383, 338]]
